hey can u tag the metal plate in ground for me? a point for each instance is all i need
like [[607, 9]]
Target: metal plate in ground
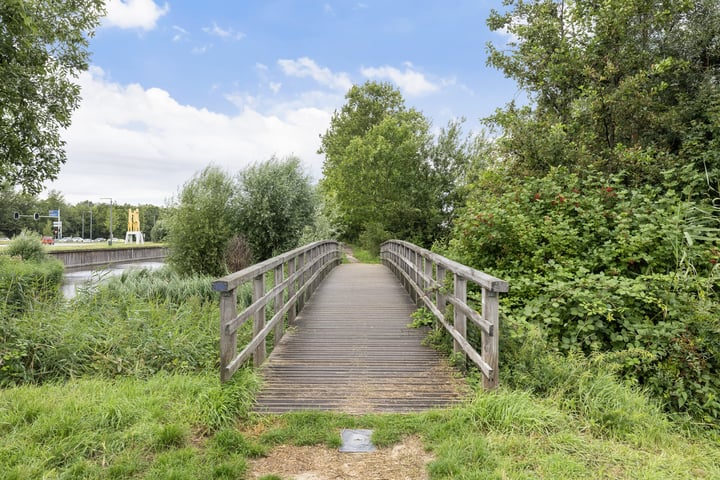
[[356, 441]]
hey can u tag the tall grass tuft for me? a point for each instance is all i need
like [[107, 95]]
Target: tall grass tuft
[[162, 285], [25, 285], [138, 325]]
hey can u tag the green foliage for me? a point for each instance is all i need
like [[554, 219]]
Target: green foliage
[[159, 231], [275, 203], [607, 78], [162, 285], [422, 317], [607, 268], [43, 47], [135, 325], [376, 169], [28, 246], [201, 224]]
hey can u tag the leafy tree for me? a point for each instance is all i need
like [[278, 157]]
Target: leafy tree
[[275, 203], [12, 201], [620, 84], [456, 160], [43, 45], [376, 166], [201, 223]]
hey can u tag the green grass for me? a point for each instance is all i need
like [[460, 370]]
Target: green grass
[[166, 426], [188, 426], [122, 383]]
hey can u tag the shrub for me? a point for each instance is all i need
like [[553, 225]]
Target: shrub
[[372, 237], [28, 246], [602, 267], [238, 254]]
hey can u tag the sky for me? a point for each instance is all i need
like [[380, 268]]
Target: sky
[[174, 86]]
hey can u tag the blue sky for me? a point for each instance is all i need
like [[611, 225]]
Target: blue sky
[[177, 85]]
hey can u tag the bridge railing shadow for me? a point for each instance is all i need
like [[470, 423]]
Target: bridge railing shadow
[[424, 273], [293, 275]]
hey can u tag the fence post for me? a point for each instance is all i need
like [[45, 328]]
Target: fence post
[[440, 296], [491, 343], [291, 290], [259, 320], [460, 321], [301, 281], [279, 301], [228, 341], [427, 281]]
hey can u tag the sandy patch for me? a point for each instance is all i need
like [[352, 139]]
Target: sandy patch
[[404, 461]]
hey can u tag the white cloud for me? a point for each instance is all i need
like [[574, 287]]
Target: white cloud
[[201, 49], [224, 33], [181, 33], [409, 81], [142, 14], [306, 67], [275, 86], [138, 144]]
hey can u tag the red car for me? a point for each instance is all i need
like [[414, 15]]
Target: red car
[[48, 240]]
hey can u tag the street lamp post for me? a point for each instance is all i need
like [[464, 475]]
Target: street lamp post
[[111, 209], [83, 223]]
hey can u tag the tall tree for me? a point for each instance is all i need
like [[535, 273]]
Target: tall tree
[[616, 83], [376, 167], [275, 202], [201, 223], [43, 47]]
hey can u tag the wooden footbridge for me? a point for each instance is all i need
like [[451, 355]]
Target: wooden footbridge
[[349, 347]]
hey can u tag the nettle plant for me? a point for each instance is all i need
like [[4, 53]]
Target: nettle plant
[[604, 267]]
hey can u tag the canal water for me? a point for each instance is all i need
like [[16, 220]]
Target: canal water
[[74, 279]]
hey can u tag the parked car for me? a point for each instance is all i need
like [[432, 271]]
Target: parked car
[[48, 240]]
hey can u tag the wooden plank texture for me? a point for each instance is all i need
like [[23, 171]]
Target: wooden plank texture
[[351, 351]]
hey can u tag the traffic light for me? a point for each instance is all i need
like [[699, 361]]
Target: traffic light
[[16, 215], [36, 216]]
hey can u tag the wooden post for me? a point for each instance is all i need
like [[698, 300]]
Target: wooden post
[[440, 296], [427, 282], [291, 290], [279, 302], [460, 321], [301, 282], [418, 276], [491, 343], [259, 320], [228, 341]]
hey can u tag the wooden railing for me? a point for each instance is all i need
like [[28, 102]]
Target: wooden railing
[[423, 273], [293, 275]]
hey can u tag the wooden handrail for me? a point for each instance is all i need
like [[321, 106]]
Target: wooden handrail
[[423, 274], [294, 275]]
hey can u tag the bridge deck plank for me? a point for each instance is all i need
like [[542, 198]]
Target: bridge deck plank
[[351, 351]]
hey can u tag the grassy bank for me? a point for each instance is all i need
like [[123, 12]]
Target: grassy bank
[[122, 383], [189, 427]]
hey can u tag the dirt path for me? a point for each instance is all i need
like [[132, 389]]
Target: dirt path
[[349, 254], [404, 461]]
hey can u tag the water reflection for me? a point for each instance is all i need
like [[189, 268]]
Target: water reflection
[[74, 279]]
